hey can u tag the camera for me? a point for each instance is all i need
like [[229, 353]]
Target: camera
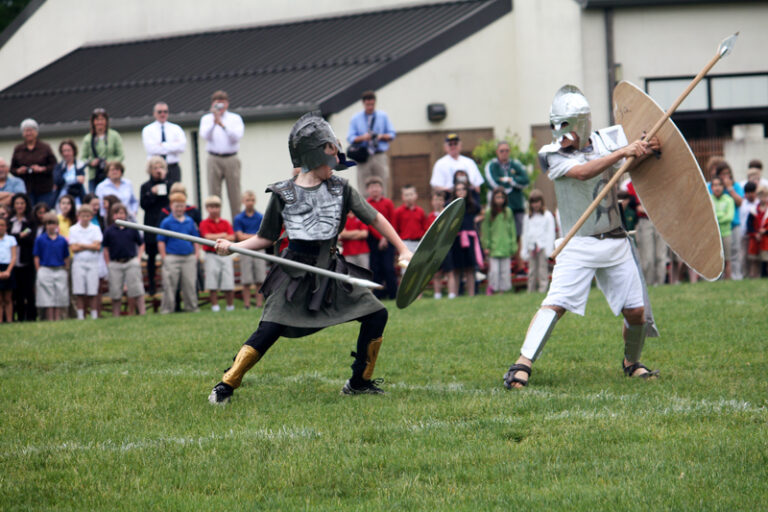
[[218, 106]]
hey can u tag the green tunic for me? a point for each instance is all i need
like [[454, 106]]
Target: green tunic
[[306, 302]]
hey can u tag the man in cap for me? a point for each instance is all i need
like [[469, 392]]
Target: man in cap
[[450, 163], [313, 208], [580, 162]]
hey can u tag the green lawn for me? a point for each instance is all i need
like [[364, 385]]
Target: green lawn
[[113, 415]]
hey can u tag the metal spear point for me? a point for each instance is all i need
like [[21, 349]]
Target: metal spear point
[[727, 45], [253, 254], [724, 49]]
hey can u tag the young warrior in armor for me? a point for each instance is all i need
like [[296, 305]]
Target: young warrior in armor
[[580, 164], [313, 207]]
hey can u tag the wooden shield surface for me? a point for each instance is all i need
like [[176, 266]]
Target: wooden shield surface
[[671, 188]]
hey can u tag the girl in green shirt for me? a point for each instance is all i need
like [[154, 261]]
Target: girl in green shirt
[[100, 146]]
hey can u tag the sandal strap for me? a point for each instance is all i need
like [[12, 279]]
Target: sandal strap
[[631, 369], [520, 367]]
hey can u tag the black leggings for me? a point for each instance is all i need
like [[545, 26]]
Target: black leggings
[[371, 328]]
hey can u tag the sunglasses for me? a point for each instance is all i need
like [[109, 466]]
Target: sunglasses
[[453, 143], [161, 111]]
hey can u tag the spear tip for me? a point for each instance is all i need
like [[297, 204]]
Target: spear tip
[[727, 45]]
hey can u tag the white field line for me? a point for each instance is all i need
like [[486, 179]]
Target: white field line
[[109, 445]]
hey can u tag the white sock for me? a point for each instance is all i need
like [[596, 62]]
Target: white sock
[[451, 295], [231, 308], [216, 308], [438, 295], [94, 314], [81, 314]]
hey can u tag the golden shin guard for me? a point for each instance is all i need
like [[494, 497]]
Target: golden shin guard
[[244, 361], [371, 356]]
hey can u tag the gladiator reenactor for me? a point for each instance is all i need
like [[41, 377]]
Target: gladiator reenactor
[[580, 162], [313, 207]]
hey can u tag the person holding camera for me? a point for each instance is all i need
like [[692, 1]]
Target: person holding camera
[[370, 132], [100, 146], [223, 130]]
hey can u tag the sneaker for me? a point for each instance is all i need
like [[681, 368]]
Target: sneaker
[[366, 387], [216, 308], [438, 296], [220, 394]]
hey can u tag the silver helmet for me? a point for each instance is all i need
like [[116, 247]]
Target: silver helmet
[[569, 113], [307, 141]]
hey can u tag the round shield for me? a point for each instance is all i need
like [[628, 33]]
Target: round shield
[[431, 252], [671, 188]]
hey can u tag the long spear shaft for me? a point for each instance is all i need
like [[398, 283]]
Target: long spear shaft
[[725, 47], [246, 252]]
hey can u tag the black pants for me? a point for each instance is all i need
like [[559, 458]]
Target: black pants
[[24, 294], [151, 247], [371, 328], [383, 268], [174, 174]]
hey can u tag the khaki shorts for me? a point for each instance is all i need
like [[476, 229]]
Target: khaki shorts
[[219, 272], [85, 278], [252, 270], [52, 288], [126, 275]]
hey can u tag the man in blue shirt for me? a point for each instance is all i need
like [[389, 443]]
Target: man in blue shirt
[[371, 129], [179, 257]]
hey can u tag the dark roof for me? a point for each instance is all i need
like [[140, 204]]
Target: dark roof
[[601, 4], [278, 70]]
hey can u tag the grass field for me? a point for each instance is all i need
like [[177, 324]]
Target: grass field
[[112, 415]]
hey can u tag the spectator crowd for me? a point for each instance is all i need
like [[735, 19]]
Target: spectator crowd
[[60, 249]]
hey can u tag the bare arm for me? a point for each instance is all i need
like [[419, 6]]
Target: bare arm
[[255, 243], [594, 167]]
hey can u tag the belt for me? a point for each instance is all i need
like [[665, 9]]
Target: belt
[[615, 233], [122, 260], [309, 247], [222, 155]]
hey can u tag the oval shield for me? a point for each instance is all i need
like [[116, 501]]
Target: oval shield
[[671, 188], [430, 253]]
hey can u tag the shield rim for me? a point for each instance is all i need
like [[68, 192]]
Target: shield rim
[[416, 271]]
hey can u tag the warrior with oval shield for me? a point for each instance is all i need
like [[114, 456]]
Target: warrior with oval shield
[[580, 162], [313, 206]]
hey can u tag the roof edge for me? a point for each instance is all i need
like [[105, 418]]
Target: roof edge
[[20, 20], [486, 13]]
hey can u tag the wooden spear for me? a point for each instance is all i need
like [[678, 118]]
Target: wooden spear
[[724, 49], [253, 254]]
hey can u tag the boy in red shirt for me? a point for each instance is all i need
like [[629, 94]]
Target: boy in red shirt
[[382, 255], [219, 270], [354, 242], [410, 220]]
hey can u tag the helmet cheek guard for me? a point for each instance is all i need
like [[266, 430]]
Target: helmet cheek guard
[[570, 113]]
